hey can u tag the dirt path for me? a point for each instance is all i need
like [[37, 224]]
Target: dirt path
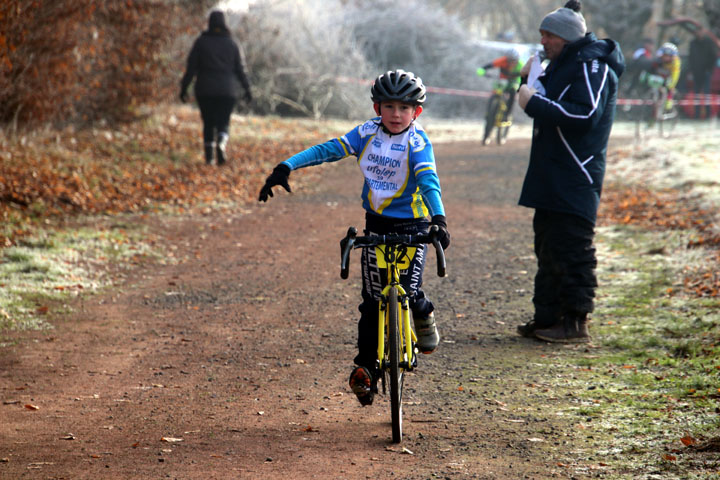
[[233, 362]]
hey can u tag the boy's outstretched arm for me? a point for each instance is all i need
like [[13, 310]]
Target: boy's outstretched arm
[[330, 151], [279, 176]]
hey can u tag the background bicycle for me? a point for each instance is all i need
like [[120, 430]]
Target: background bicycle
[[655, 109], [497, 115]]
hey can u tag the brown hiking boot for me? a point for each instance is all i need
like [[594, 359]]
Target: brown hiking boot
[[572, 329]]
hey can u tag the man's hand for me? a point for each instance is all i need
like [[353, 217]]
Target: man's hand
[[279, 176], [525, 70], [524, 95], [443, 235]]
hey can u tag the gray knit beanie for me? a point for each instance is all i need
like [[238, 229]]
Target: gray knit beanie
[[566, 23]]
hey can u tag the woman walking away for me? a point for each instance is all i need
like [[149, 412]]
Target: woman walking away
[[216, 64]]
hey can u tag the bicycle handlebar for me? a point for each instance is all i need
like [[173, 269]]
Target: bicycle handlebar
[[352, 240]]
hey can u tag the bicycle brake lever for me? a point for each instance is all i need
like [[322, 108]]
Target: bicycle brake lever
[[439, 252], [346, 245]]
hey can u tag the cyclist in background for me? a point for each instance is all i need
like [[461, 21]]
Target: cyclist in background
[[637, 68], [510, 67], [644, 51], [667, 64], [401, 190]]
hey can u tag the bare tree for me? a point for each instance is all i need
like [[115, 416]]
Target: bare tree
[[491, 19], [711, 8], [297, 54], [622, 20]]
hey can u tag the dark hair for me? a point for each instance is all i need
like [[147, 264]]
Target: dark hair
[[574, 5]]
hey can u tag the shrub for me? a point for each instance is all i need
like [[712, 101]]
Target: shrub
[[82, 60]]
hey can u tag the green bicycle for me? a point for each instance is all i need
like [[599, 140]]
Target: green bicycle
[[396, 337]]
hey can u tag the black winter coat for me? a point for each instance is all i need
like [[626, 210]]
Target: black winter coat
[[702, 56], [216, 62], [572, 123]]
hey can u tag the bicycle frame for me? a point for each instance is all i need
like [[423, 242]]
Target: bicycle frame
[[502, 108], [394, 330], [407, 334]]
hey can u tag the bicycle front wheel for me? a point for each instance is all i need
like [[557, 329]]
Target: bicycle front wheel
[[491, 115], [394, 347], [502, 130]]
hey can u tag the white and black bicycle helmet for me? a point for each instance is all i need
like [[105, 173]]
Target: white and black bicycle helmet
[[398, 85], [668, 48]]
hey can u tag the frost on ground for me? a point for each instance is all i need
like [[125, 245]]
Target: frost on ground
[[689, 159]]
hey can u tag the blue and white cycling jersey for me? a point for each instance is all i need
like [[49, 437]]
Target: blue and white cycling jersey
[[400, 176]]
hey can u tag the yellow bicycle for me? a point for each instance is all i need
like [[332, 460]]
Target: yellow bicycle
[[396, 338]]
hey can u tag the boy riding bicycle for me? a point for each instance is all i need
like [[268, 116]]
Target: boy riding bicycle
[[400, 191]]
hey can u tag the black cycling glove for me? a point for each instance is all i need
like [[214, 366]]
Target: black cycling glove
[[279, 176], [443, 234]]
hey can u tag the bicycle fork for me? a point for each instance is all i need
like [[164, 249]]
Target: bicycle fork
[[407, 334], [500, 120]]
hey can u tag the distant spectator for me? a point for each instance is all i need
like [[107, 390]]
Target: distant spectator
[[216, 63], [702, 59]]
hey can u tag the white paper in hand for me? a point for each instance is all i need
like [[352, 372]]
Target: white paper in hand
[[536, 70]]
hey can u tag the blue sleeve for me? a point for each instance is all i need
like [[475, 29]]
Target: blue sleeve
[[430, 188], [330, 151], [422, 162]]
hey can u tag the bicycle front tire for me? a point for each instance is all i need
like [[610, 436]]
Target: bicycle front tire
[[502, 133], [490, 115], [394, 346]]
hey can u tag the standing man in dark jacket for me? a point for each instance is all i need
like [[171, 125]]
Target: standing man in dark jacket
[[573, 107], [216, 62], [702, 58]]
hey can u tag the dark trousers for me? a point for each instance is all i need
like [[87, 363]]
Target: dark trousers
[[701, 86], [374, 279], [215, 112], [565, 282], [510, 101]]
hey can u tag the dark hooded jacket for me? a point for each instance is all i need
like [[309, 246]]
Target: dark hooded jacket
[[216, 62], [572, 123]]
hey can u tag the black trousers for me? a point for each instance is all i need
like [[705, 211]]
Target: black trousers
[[511, 101], [565, 282], [215, 112], [374, 279]]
